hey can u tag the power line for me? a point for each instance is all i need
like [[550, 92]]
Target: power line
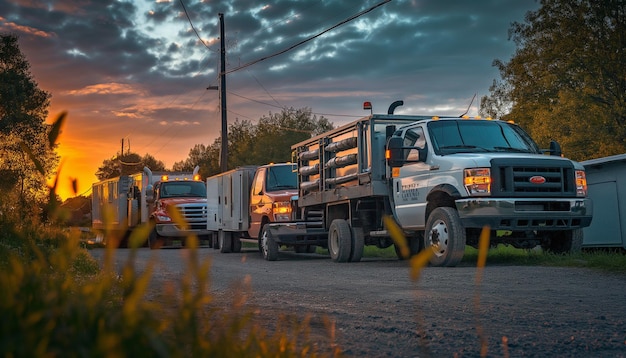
[[192, 27], [283, 107], [264, 89], [306, 40]]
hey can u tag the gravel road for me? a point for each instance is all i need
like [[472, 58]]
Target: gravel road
[[379, 312]]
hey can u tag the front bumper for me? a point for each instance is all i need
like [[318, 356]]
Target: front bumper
[[173, 230], [297, 233], [525, 214]]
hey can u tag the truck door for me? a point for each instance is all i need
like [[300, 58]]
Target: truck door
[[410, 187], [260, 206]]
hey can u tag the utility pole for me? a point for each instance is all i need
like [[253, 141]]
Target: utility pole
[[224, 150]]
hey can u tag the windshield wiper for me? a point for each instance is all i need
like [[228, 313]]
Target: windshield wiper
[[511, 149], [283, 186], [464, 146]]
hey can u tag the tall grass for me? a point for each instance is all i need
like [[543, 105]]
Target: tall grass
[[56, 300]]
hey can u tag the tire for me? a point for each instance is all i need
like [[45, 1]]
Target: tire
[[225, 240], [340, 240], [415, 243], [563, 242], [236, 246], [445, 235], [269, 247], [358, 243], [155, 241]]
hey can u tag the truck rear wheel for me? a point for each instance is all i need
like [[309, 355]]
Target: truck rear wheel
[[267, 244], [340, 240], [445, 235], [563, 242], [358, 243], [225, 241]]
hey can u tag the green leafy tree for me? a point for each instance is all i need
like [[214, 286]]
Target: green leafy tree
[[277, 132], [567, 78], [129, 163], [23, 135], [206, 157], [248, 144]]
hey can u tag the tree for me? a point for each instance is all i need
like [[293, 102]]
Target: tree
[[567, 78], [129, 163], [23, 134], [277, 132], [206, 157], [268, 141]]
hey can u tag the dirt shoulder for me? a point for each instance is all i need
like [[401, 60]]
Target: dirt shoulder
[[377, 311]]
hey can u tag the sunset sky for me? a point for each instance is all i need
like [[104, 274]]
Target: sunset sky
[[137, 70]]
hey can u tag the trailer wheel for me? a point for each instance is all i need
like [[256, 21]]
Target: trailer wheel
[[225, 241], [236, 243], [445, 236], [267, 244], [340, 240], [563, 242], [155, 241], [358, 243]]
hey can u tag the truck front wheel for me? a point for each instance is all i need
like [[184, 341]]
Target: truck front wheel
[[155, 241], [445, 235], [340, 240], [563, 242], [267, 245]]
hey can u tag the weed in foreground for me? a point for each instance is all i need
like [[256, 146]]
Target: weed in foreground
[[55, 300]]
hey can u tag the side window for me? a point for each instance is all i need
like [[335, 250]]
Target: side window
[[414, 137], [258, 182]]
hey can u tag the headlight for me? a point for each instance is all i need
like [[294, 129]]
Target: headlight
[[163, 218], [282, 211], [581, 183], [477, 181]]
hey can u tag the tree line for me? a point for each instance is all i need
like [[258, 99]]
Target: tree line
[[268, 141]]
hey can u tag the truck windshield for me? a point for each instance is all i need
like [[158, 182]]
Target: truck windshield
[[183, 188], [281, 177], [472, 136]]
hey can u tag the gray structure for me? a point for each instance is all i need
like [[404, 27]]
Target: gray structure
[[606, 180]]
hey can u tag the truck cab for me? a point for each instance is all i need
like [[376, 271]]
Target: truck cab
[[489, 173], [177, 209], [271, 192]]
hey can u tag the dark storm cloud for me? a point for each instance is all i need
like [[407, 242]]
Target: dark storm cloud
[[137, 68]]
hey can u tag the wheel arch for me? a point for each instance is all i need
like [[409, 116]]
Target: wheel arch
[[264, 220], [443, 195]]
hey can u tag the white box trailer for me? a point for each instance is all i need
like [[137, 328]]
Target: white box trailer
[[228, 202], [606, 180]]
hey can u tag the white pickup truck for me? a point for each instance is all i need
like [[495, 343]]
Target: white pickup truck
[[442, 179]]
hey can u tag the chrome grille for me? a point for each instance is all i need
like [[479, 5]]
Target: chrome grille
[[512, 178]]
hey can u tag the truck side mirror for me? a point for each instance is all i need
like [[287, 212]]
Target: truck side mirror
[[150, 193], [394, 153], [555, 148]]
